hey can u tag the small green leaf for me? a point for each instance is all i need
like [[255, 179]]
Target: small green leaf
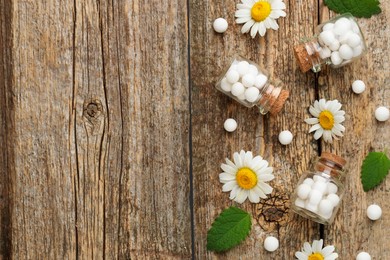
[[228, 230], [375, 167], [358, 8]]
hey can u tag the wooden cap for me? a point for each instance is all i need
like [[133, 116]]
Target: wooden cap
[[278, 104], [333, 158], [303, 58]]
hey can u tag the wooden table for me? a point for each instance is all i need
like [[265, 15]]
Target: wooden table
[[111, 131]]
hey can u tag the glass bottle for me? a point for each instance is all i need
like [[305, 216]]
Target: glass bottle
[[337, 42], [249, 84], [319, 192]]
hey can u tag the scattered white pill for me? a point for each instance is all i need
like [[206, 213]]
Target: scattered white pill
[[260, 81], [325, 207], [374, 212], [353, 40], [232, 76], [331, 188], [382, 114], [248, 80], [309, 181], [334, 198], [328, 26], [253, 70], [271, 244], [285, 137], [311, 207], [243, 68], [303, 191], [300, 203], [251, 94], [320, 186], [358, 86], [357, 50], [335, 58], [319, 178], [335, 45], [346, 52], [342, 26], [225, 85], [363, 256], [220, 25], [238, 89], [327, 37], [230, 125], [315, 197]]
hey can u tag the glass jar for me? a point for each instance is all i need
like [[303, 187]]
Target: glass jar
[[319, 192], [337, 42], [249, 84]]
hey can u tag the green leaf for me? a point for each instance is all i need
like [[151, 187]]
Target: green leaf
[[228, 230], [358, 8], [375, 167]]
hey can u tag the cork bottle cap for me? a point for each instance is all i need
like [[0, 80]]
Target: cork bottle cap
[[334, 158], [303, 58], [279, 102]]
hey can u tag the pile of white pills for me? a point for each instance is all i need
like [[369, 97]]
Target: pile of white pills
[[341, 41], [318, 195], [244, 81]]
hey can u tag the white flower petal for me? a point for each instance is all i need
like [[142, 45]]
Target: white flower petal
[[322, 104], [241, 20], [318, 134], [230, 163], [228, 168], [253, 197], [280, 13], [333, 256], [264, 171], [255, 161], [327, 136], [262, 164], [339, 127], [317, 245], [314, 111], [273, 24], [301, 256], [314, 128], [243, 13], [248, 156], [234, 191], [248, 2], [339, 119], [264, 187], [312, 121], [226, 177], [259, 192], [266, 177], [244, 6], [327, 250], [262, 29], [237, 160], [229, 186], [254, 30], [241, 196]]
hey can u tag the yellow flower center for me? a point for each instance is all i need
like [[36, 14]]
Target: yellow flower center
[[326, 120], [260, 11], [246, 178], [316, 256]]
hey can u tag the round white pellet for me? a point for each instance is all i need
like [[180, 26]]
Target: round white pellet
[[335, 45], [225, 85], [241, 97], [357, 51], [325, 52], [303, 191], [353, 40], [260, 81], [320, 186], [253, 70], [332, 188], [251, 94], [325, 207], [344, 38], [382, 114], [315, 197], [319, 178], [243, 68], [363, 256], [309, 181], [220, 25], [358, 86], [327, 37], [346, 52], [238, 89], [334, 198], [328, 26], [311, 207], [374, 212], [335, 58], [248, 80], [232, 76], [230, 125], [285, 137], [271, 244], [342, 26], [299, 203]]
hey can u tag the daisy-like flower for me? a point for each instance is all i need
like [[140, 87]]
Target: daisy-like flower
[[246, 177], [258, 16], [316, 252], [327, 119]]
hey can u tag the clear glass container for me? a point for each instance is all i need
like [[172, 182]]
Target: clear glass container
[[249, 84], [336, 43], [319, 192]]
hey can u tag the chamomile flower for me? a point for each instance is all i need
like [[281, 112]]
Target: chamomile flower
[[316, 252], [327, 119], [258, 16], [246, 177]]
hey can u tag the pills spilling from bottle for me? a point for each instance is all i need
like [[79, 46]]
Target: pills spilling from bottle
[[220, 25], [374, 212], [285, 137], [358, 86], [271, 244], [382, 114], [363, 256], [230, 125]]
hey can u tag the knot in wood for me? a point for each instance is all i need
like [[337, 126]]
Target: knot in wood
[[93, 109]]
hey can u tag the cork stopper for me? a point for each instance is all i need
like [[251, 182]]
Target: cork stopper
[[304, 57], [340, 161], [279, 102]]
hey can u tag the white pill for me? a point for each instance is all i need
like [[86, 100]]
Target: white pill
[[327, 216], [363, 256], [344, 38], [315, 197], [335, 58], [328, 26], [243, 68], [303, 191], [309, 181], [331, 188], [311, 207], [225, 85], [346, 52], [334, 198], [260, 81], [325, 53], [285, 137], [353, 40], [358, 86], [248, 80], [319, 178], [238, 89], [230, 125], [220, 25], [327, 37], [232, 76], [251, 94], [357, 51], [335, 45], [271, 244], [382, 114], [320, 186], [241, 97], [325, 207], [253, 70], [354, 26], [299, 203], [342, 26], [374, 212]]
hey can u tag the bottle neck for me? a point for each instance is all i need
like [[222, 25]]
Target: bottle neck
[[329, 168], [272, 99], [311, 56]]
